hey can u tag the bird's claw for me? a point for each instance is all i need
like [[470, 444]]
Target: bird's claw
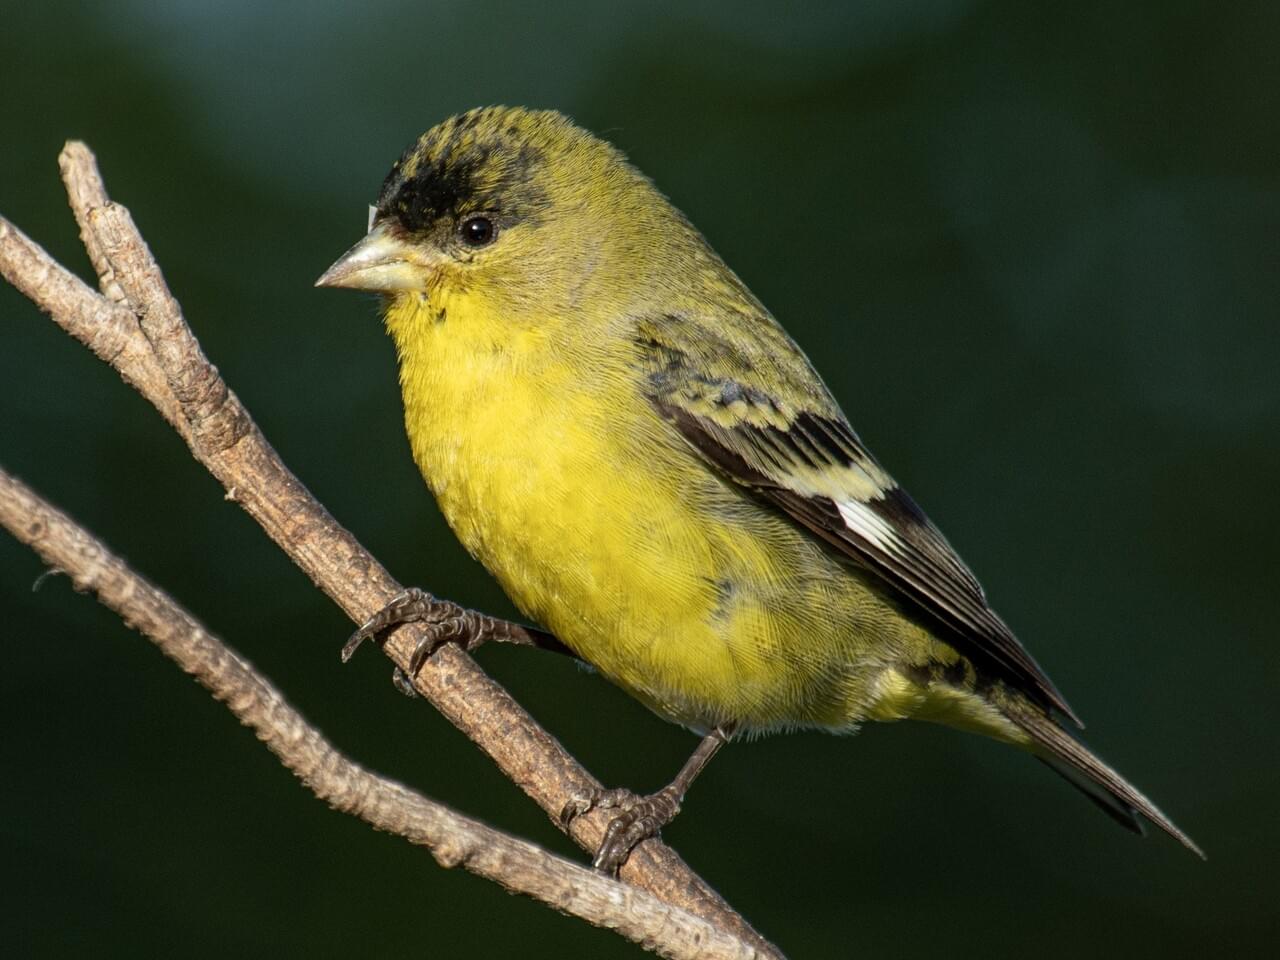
[[405, 606], [446, 621], [403, 684], [583, 803], [638, 819]]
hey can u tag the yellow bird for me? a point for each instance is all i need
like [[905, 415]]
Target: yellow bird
[[625, 437]]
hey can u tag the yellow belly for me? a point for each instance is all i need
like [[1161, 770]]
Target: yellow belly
[[605, 529]]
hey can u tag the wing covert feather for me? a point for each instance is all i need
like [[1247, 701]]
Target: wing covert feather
[[792, 446]]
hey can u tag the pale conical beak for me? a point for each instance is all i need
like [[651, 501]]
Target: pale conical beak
[[381, 262]]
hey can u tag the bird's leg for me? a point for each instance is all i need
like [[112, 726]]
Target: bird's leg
[[447, 622], [642, 817]]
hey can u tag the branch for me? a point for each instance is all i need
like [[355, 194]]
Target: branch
[[454, 840], [145, 338]]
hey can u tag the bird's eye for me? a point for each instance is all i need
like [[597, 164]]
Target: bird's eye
[[478, 231]]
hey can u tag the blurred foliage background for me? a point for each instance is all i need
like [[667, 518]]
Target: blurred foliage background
[[1033, 247]]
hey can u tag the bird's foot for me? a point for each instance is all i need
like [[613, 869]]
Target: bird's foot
[[638, 819], [446, 622]]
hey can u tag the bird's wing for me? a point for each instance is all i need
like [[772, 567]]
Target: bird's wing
[[754, 408]]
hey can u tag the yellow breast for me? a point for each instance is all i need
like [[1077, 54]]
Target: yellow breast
[[557, 475], [558, 478]]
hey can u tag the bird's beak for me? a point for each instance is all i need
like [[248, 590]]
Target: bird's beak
[[382, 262]]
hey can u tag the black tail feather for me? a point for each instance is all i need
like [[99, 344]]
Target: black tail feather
[[1069, 758], [1108, 803]]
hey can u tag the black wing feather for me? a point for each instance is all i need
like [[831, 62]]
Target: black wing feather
[[920, 564]]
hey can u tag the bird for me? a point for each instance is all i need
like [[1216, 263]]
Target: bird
[[658, 477]]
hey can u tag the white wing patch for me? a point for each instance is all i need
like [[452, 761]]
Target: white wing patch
[[869, 525]]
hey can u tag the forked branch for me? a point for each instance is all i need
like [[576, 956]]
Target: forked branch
[[454, 840], [136, 326]]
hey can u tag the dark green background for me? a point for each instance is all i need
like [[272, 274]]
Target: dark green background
[[1035, 250]]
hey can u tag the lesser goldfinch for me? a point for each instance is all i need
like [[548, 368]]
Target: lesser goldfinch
[[625, 437]]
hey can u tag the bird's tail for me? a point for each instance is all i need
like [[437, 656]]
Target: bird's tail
[[1070, 759]]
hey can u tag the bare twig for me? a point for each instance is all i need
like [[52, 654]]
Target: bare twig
[[454, 840], [149, 343], [109, 329], [86, 192]]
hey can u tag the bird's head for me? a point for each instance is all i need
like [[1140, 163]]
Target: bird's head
[[519, 207]]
